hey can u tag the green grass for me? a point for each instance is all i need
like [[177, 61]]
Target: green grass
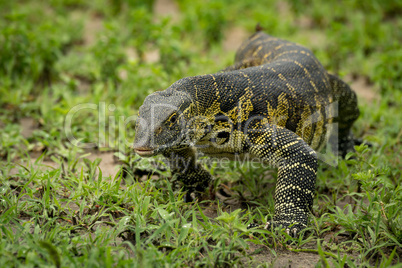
[[58, 209]]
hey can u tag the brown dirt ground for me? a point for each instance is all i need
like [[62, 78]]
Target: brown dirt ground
[[363, 88], [93, 26], [109, 164], [233, 38], [28, 125], [166, 8]]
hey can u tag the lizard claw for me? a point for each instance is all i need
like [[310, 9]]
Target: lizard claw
[[189, 197], [292, 230]]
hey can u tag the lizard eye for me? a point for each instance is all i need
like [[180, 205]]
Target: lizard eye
[[173, 118]]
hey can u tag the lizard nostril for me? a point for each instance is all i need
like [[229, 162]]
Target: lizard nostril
[[158, 130]]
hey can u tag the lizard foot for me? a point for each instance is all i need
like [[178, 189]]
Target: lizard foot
[[292, 229], [194, 195]]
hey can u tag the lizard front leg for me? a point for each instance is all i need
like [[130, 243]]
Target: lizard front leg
[[297, 167], [193, 175]]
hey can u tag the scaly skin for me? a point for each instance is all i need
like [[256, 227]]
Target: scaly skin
[[275, 104]]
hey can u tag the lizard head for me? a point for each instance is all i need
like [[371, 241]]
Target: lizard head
[[162, 121]]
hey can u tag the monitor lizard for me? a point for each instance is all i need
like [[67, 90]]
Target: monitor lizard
[[273, 104]]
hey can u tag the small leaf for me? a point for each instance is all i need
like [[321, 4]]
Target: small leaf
[[183, 232], [164, 214]]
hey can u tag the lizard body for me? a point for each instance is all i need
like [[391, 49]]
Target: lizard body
[[274, 104]]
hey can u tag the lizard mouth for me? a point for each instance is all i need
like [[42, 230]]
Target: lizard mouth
[[142, 151]]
